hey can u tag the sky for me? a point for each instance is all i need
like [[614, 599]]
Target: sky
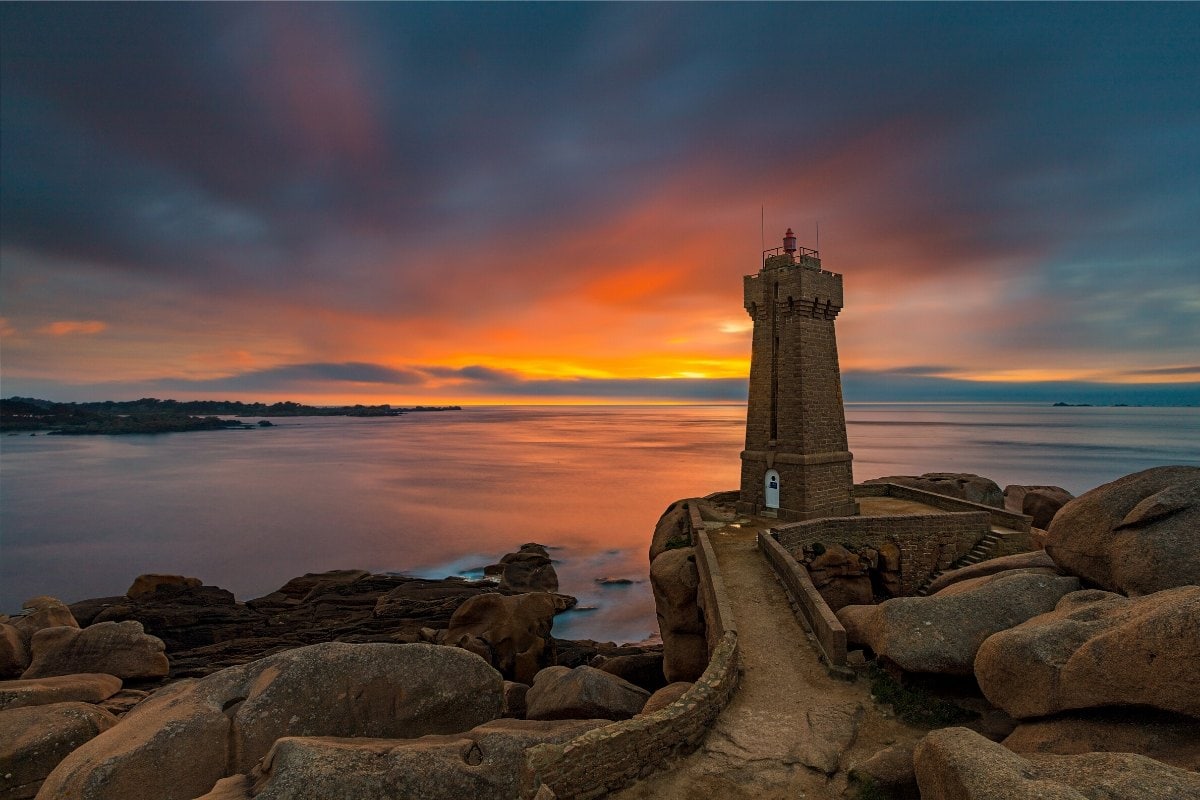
[[525, 203]]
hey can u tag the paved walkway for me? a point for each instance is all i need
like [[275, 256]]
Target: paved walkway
[[790, 728]]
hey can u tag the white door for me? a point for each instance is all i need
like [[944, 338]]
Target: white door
[[771, 485]]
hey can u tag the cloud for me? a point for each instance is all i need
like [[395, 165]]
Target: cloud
[[73, 327], [301, 378], [571, 189], [1193, 370]]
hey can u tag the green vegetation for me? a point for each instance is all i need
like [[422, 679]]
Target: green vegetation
[[151, 415], [867, 789], [914, 705], [676, 542]]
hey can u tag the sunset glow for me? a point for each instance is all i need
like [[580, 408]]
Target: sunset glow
[[551, 203]]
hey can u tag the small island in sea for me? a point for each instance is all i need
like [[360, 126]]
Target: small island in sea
[[151, 415]]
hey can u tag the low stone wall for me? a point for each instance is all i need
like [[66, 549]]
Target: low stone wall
[[927, 542], [615, 756], [714, 602], [829, 633], [997, 516], [695, 518]]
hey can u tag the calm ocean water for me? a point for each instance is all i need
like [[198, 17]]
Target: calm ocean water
[[441, 493]]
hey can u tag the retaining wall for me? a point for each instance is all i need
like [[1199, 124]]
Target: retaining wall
[[824, 624], [711, 596], [997, 516], [615, 756], [927, 542]]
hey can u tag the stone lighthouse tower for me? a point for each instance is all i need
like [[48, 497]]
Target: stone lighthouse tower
[[796, 464]]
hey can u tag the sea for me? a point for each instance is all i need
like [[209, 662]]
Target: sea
[[434, 494]]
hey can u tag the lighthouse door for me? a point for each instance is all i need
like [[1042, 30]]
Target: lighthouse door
[[771, 486]]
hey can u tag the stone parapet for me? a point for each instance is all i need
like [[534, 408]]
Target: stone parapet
[[927, 542], [615, 756], [998, 517], [713, 599], [816, 613]]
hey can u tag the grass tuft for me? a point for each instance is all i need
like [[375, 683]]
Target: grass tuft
[[914, 705]]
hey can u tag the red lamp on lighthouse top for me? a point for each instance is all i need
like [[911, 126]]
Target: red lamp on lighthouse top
[[789, 242]]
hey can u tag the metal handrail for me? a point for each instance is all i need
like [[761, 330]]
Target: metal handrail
[[800, 251]]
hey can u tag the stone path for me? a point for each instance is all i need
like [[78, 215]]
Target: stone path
[[791, 730]]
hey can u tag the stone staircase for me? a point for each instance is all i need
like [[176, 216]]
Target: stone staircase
[[982, 551]]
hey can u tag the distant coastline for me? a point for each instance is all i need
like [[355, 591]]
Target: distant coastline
[[151, 415]]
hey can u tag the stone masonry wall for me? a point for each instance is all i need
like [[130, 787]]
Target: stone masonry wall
[[614, 756], [610, 758], [795, 380], [816, 613], [927, 542], [998, 516]]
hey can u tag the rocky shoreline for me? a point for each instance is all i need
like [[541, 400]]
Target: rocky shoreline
[[71, 672], [1069, 669]]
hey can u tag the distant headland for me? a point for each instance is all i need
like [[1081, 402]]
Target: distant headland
[[151, 415]]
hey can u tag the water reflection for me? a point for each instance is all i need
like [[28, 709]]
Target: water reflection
[[442, 493]]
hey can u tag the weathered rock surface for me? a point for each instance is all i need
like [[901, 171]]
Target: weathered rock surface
[[942, 633], [528, 570], [642, 669], [179, 742], [149, 583], [1014, 495], [205, 629], [889, 568], [580, 652], [672, 530], [665, 696], [514, 699], [890, 772], [1098, 649], [962, 485], [510, 633], [123, 701], [582, 693], [1136, 535], [14, 652], [115, 648], [87, 688], [1042, 504], [42, 612], [840, 577], [827, 732], [1169, 738], [184, 617], [958, 764], [483, 763], [674, 580], [321, 582], [1047, 501], [33, 739], [1034, 560]]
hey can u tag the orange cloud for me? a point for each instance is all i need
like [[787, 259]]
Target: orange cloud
[[71, 327]]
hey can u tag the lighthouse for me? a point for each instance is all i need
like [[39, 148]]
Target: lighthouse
[[797, 463]]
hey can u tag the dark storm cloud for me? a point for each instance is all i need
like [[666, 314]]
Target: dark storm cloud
[[1193, 370], [390, 158], [470, 381], [271, 126], [295, 377]]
